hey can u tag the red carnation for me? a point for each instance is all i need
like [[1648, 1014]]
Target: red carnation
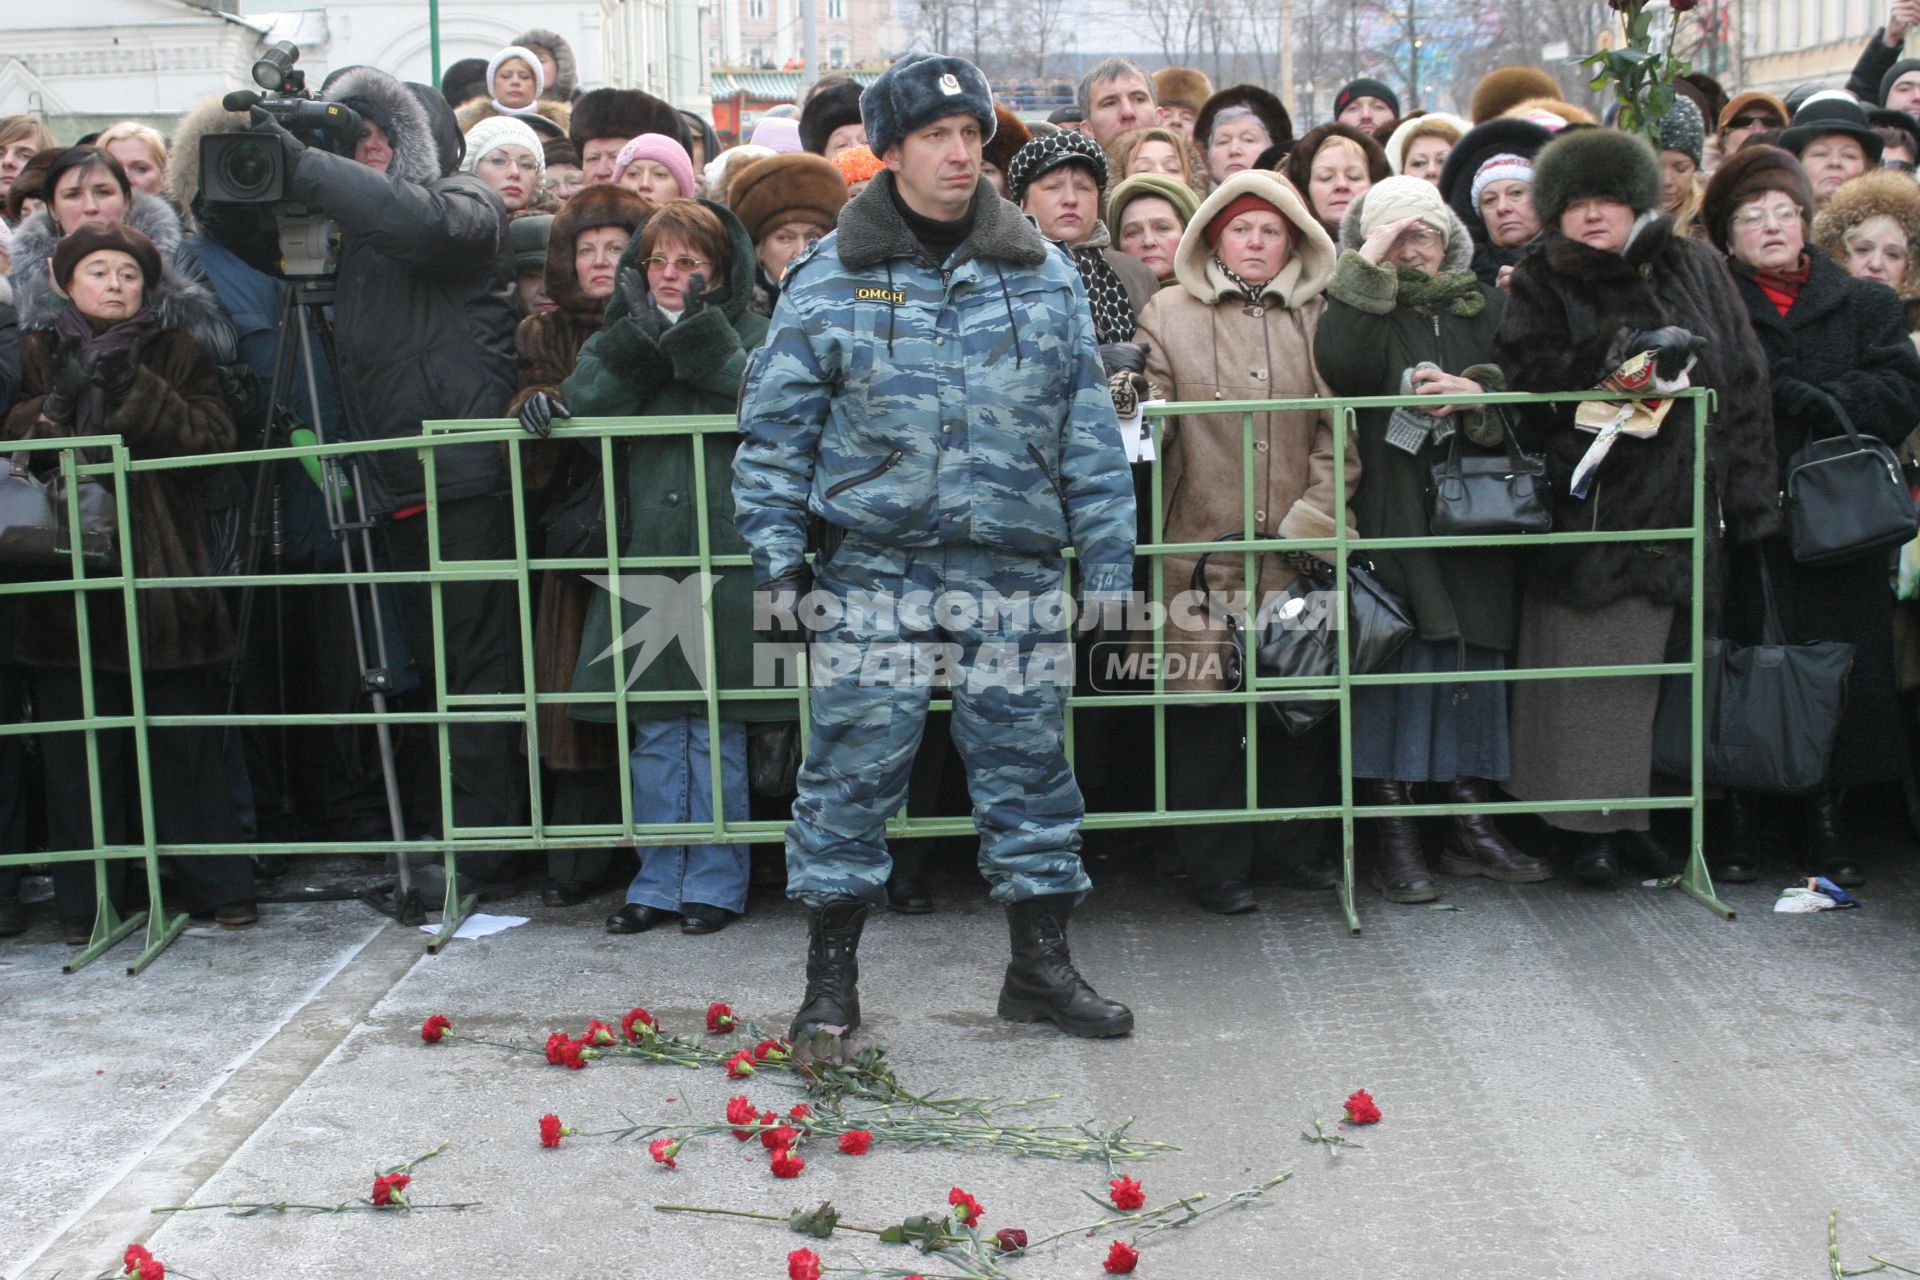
[[1010, 1239], [663, 1150], [742, 1116], [1121, 1259], [719, 1017], [573, 1053], [598, 1033], [551, 1130], [637, 1018], [1127, 1194], [556, 1048], [778, 1138], [387, 1188], [144, 1266], [971, 1210], [740, 1065], [856, 1142], [801, 1111], [803, 1264], [1361, 1109], [775, 1049], [137, 1256], [435, 1027], [786, 1164]]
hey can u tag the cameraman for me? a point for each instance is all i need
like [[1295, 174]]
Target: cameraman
[[423, 329]]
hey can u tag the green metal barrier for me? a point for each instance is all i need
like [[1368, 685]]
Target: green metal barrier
[[450, 710]]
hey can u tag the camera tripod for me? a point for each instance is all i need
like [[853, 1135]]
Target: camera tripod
[[302, 318]]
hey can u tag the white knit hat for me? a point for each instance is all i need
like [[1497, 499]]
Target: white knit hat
[[1404, 197], [525, 55], [501, 131], [1504, 167]]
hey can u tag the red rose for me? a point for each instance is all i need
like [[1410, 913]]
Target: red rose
[[803, 1264], [136, 1254], [1360, 1108], [775, 1049], [1127, 1194], [435, 1027], [1010, 1239], [786, 1164], [856, 1142], [719, 1017], [778, 1138], [663, 1150], [598, 1033], [740, 1065], [1121, 1259], [971, 1210], [551, 1130], [741, 1115], [636, 1019], [556, 1048], [387, 1188]]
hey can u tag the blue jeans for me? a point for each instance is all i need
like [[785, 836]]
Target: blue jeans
[[672, 783]]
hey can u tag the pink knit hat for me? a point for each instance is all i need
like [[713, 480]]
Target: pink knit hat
[[659, 147]]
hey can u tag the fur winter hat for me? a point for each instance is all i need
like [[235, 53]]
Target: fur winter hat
[[464, 81], [828, 109], [566, 74], [1182, 87], [664, 151], [1582, 163], [1299, 166], [1163, 186], [1751, 171], [1684, 130], [1435, 124], [622, 114], [502, 131], [797, 187], [1551, 113], [919, 89], [1894, 72], [1010, 133], [600, 205], [1043, 155], [90, 238], [1266, 108], [1505, 87], [1877, 193], [1398, 198], [1365, 87]]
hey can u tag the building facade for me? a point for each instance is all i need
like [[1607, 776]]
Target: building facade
[[1787, 43], [768, 34]]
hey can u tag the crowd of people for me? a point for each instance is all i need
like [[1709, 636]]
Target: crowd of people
[[511, 246]]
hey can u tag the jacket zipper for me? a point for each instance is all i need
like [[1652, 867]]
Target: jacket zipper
[[1059, 489], [884, 467]]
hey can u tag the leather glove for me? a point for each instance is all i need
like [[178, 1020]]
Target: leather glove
[[776, 606], [1671, 346], [632, 285], [698, 298], [538, 411], [1800, 401], [264, 121], [70, 382], [113, 372]]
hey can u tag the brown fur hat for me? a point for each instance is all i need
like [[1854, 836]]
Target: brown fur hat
[[796, 186], [622, 113], [600, 205], [1874, 194], [1567, 111], [1010, 135], [1182, 87], [1503, 87], [1748, 172]]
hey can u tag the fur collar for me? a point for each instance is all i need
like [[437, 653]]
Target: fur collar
[[180, 301], [1647, 242], [871, 230], [416, 156]]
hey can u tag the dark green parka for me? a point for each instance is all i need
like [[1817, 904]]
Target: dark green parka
[[695, 368], [1370, 335]]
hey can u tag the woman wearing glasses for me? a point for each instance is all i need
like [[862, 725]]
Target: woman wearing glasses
[[1406, 316], [675, 343], [1831, 340]]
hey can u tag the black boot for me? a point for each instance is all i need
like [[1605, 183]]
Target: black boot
[[1400, 868], [1596, 858], [832, 1005], [1042, 985], [1827, 845], [1736, 858], [1475, 847]]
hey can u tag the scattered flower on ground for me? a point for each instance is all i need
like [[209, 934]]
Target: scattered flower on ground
[[1361, 1108], [387, 1189], [971, 1210], [435, 1027], [856, 1142], [1127, 1194], [1121, 1258]]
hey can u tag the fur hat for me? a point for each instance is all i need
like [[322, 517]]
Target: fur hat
[[1163, 186], [1752, 98], [1043, 155], [1583, 163], [1748, 172], [1683, 129], [1551, 113], [1010, 133], [600, 205], [665, 151], [1299, 164], [1182, 87], [31, 182], [464, 81], [566, 75], [548, 119], [1894, 72], [92, 237], [797, 187], [622, 114], [502, 131], [1365, 87], [829, 109], [1434, 124], [1266, 108], [919, 89], [1503, 87], [1830, 112], [1398, 198], [1877, 193]]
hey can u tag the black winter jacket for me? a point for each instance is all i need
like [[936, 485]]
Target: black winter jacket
[[1570, 310]]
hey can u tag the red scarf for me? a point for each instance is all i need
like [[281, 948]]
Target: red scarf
[[1781, 287]]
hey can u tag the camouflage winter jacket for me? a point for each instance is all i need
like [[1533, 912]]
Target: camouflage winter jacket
[[925, 406]]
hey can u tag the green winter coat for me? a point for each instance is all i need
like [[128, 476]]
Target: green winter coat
[[695, 368], [1367, 339]]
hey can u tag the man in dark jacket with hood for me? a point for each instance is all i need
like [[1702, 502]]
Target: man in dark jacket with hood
[[423, 328]]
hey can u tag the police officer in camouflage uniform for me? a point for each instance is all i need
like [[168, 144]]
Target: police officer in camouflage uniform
[[932, 396]]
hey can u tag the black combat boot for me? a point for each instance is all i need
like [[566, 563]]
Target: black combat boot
[[1475, 847], [832, 1004], [1042, 985]]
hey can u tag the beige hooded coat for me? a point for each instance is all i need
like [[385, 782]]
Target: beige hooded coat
[[1209, 342]]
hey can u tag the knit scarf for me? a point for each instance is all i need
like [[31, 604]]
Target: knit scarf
[[1106, 296], [531, 109], [86, 340], [1781, 287], [1457, 291], [1251, 292]]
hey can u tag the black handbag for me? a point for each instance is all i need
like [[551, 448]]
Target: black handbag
[[1476, 493], [1770, 711], [1846, 496], [1296, 632], [36, 540]]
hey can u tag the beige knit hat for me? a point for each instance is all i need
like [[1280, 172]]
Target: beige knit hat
[[1404, 197]]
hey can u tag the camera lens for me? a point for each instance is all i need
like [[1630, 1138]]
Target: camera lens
[[247, 169]]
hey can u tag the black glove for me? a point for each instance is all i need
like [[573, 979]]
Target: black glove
[[113, 372], [698, 299], [776, 606], [1800, 401], [265, 122], [70, 382], [631, 283], [538, 411], [1671, 346]]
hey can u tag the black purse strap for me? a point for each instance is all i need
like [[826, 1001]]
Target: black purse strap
[[1841, 416]]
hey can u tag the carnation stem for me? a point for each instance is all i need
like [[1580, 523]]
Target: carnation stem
[[250, 1209], [780, 1218]]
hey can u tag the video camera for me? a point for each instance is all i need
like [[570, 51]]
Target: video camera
[[252, 168]]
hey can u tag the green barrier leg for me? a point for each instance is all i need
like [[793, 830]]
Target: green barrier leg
[[162, 929], [108, 927], [1695, 882], [453, 911]]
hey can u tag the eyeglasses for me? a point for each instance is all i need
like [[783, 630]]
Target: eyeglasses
[[1419, 237], [684, 265], [1754, 122], [1752, 219], [1898, 166]]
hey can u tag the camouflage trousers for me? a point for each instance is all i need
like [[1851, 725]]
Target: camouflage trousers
[[888, 626]]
